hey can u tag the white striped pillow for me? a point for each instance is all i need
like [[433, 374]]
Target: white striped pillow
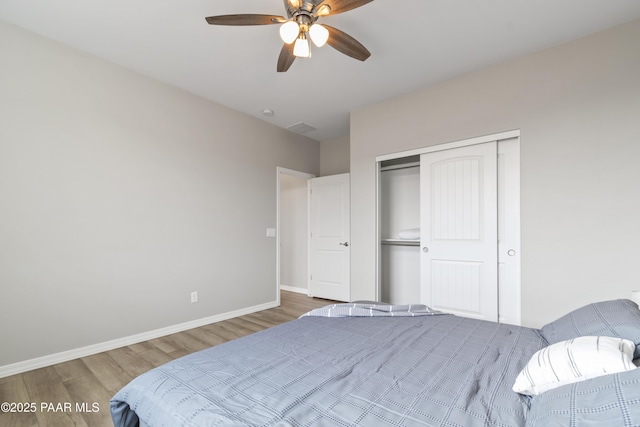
[[574, 360]]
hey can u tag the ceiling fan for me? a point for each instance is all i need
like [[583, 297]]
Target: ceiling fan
[[300, 26]]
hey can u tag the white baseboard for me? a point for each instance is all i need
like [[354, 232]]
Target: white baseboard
[[65, 356], [304, 291]]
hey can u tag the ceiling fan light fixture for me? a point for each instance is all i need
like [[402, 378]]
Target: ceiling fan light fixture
[[289, 32], [298, 28], [319, 34], [302, 49]]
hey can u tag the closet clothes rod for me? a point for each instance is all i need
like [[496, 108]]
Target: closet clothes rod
[[399, 166], [400, 242]]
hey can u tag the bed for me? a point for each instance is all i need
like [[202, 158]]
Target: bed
[[369, 364]]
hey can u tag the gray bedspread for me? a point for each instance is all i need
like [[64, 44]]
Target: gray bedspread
[[436, 370]]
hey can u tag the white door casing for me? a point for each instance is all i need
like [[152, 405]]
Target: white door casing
[[329, 252], [459, 265]]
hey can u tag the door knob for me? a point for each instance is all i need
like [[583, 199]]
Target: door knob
[[425, 249], [344, 244]]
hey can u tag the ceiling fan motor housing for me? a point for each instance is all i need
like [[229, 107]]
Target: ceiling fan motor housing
[[307, 8]]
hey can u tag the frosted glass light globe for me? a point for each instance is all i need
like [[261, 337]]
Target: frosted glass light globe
[[289, 32], [319, 34], [302, 48]]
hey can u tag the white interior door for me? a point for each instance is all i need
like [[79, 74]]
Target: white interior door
[[458, 258], [329, 254]]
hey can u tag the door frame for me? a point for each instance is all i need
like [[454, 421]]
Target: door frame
[[430, 149], [298, 174]]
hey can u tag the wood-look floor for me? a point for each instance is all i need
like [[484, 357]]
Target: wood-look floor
[[87, 384]]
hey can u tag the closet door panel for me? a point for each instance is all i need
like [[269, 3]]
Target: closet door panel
[[456, 198], [459, 231]]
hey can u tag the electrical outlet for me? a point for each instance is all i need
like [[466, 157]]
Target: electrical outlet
[[194, 297]]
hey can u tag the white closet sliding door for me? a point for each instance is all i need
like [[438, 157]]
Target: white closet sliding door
[[459, 224], [509, 231]]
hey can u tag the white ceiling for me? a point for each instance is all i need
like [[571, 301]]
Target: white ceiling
[[414, 44]]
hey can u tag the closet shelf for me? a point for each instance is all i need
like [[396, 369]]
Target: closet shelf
[[400, 242], [400, 166]]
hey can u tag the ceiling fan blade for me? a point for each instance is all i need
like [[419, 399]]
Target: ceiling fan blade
[[286, 58], [346, 44], [245, 19], [339, 6]]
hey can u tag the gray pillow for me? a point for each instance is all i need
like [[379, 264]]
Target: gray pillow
[[610, 400], [617, 318]]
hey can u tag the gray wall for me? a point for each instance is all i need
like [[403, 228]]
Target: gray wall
[[120, 195], [578, 108], [334, 156], [294, 217]]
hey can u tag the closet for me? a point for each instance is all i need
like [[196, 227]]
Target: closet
[[448, 227], [399, 192]]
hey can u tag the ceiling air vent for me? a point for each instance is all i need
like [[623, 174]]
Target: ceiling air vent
[[301, 128]]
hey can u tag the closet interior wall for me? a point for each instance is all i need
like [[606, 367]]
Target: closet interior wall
[[399, 211]]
